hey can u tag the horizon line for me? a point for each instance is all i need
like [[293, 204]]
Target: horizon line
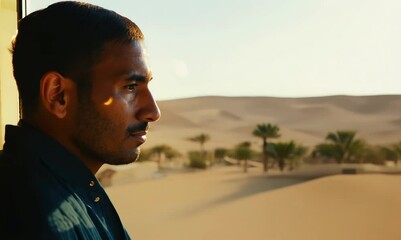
[[282, 97]]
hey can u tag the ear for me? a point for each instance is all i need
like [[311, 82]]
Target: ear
[[53, 88]]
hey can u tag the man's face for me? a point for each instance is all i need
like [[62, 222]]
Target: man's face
[[112, 122]]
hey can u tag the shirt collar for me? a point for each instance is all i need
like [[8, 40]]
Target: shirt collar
[[50, 152]]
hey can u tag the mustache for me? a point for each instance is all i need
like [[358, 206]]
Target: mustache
[[142, 126]]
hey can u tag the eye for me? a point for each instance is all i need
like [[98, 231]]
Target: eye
[[131, 87]]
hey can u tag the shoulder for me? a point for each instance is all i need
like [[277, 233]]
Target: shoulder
[[39, 206], [31, 191], [18, 209]]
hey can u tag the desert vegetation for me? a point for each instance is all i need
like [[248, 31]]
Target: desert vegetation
[[342, 146], [315, 141], [336, 129], [266, 131]]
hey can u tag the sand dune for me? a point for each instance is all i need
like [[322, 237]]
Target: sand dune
[[172, 119], [230, 120], [224, 203]]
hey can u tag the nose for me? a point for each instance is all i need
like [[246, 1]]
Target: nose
[[149, 111]]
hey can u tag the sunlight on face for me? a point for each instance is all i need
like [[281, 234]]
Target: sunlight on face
[[108, 102]]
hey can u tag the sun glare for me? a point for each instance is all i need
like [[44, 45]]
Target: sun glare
[[108, 102]]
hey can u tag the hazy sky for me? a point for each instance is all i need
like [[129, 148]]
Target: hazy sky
[[285, 48]]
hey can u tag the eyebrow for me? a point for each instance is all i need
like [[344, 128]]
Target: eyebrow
[[140, 78]]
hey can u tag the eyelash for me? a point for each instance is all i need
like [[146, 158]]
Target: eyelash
[[131, 87]]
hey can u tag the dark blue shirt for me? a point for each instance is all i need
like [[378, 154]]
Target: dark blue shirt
[[48, 193]]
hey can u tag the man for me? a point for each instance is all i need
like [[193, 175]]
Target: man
[[83, 78]]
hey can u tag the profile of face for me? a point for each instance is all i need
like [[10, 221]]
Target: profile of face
[[112, 122]]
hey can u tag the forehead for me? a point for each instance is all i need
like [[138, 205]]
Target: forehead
[[115, 48], [119, 59]]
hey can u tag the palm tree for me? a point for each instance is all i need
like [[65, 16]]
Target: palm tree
[[397, 148], [219, 154], [163, 150], [266, 131], [243, 152], [283, 151], [201, 139], [389, 153], [327, 150], [342, 146], [392, 152], [298, 153]]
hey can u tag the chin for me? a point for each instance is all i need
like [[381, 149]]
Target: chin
[[127, 158]]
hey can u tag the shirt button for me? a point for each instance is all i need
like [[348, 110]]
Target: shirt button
[[97, 199], [92, 183]]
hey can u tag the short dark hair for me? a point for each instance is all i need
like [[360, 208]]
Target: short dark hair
[[67, 37]]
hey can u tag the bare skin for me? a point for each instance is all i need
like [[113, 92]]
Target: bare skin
[[109, 125]]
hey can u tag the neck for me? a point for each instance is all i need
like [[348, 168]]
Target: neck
[[52, 129]]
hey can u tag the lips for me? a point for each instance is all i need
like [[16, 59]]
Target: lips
[[139, 136]]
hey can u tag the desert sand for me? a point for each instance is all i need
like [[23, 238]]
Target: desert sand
[[312, 203], [225, 203], [230, 120]]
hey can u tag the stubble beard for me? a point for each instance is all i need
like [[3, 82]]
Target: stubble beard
[[96, 137]]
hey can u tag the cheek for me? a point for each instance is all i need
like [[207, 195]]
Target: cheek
[[105, 92], [114, 104], [126, 102], [118, 109]]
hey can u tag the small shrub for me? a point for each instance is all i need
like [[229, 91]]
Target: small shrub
[[197, 160]]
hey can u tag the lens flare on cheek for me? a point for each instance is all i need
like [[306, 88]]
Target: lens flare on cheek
[[108, 102]]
